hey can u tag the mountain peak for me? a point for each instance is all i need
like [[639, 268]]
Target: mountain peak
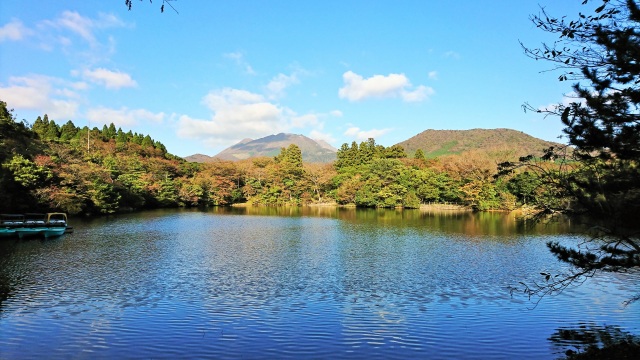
[[312, 150]]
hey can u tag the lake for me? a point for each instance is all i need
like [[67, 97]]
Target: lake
[[270, 283]]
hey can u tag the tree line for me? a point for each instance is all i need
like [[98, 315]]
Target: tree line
[[46, 166]]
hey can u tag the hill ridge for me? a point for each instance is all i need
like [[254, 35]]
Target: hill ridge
[[435, 143]]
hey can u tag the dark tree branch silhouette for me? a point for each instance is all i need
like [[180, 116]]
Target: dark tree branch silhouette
[[129, 4], [600, 175]]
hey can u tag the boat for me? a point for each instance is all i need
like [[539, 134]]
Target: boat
[[33, 225], [55, 225], [9, 223]]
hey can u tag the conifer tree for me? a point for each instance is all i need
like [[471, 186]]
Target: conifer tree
[[601, 53], [68, 131]]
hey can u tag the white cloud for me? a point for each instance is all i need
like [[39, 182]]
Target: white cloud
[[318, 135], [278, 84], [82, 26], [14, 31], [362, 135], [452, 55], [110, 79], [335, 113], [305, 121], [81, 38], [49, 95], [123, 117], [238, 58], [567, 100], [236, 114], [433, 75], [419, 94], [357, 88]]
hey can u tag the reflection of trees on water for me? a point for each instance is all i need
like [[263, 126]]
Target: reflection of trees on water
[[591, 341], [448, 221]]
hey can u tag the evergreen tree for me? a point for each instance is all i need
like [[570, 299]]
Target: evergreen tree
[[395, 152], [121, 137], [419, 155], [111, 131], [52, 132], [68, 131], [368, 150], [147, 141], [39, 127], [601, 52]]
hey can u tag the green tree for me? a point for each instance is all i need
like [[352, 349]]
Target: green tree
[[68, 131], [147, 142], [40, 127], [53, 131], [419, 155], [27, 173], [104, 197], [395, 152]]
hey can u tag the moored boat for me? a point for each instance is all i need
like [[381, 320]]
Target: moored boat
[[34, 225], [55, 225], [9, 223]]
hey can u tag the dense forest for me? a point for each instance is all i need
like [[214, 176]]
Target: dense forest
[[47, 166]]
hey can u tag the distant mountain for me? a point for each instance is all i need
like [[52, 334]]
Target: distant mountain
[[312, 150], [200, 158], [436, 143]]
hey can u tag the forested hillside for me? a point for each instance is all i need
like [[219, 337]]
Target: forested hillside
[[500, 142], [47, 166]]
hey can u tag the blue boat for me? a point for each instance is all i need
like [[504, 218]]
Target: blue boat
[[9, 223], [55, 225], [34, 225]]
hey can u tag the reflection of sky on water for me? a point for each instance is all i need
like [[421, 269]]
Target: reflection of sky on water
[[376, 284]]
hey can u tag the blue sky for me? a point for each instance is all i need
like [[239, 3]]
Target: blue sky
[[221, 71]]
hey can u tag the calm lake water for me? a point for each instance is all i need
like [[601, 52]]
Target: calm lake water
[[295, 283]]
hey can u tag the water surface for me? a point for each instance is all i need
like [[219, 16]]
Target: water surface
[[294, 283]]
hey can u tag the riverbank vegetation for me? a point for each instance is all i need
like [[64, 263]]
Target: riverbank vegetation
[[62, 167]]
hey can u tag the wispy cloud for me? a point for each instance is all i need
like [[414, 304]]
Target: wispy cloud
[[567, 100], [277, 85], [319, 135], [108, 78], [124, 116], [452, 55], [358, 88], [14, 31], [359, 134], [56, 97], [82, 26], [239, 59]]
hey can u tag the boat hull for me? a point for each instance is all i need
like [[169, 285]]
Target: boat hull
[[53, 232], [6, 233], [28, 232]]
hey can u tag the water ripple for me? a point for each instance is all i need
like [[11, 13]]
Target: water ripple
[[198, 285]]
